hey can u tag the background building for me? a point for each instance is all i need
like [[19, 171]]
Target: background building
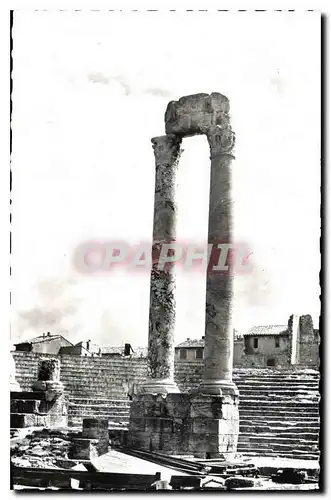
[[296, 343]]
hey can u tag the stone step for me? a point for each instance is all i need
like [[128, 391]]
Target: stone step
[[283, 404], [268, 437], [281, 412], [101, 408], [279, 393], [265, 378], [78, 422], [97, 414], [276, 448], [276, 445], [101, 401], [113, 417], [277, 433], [295, 418], [267, 453], [84, 394]]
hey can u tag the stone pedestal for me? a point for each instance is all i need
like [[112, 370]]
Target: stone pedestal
[[94, 440], [160, 423], [54, 403], [185, 424], [215, 426]]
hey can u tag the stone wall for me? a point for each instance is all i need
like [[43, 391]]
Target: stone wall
[[89, 377]]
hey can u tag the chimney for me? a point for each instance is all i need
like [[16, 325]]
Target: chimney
[[48, 334], [44, 335], [188, 338], [127, 349], [88, 344]]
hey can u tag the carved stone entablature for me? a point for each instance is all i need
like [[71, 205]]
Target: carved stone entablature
[[195, 114]]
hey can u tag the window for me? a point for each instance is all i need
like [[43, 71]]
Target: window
[[199, 354], [256, 343], [183, 354], [271, 362], [277, 342]]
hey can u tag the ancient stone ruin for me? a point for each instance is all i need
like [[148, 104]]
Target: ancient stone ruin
[[205, 423]]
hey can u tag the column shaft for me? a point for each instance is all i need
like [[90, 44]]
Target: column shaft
[[219, 289], [162, 310]]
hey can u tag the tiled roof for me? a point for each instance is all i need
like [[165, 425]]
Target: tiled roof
[[192, 343], [111, 350], [267, 330], [40, 338]]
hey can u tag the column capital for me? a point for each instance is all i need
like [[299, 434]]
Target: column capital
[[166, 148], [221, 140]]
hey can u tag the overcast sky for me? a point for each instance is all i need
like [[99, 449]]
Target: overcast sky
[[90, 90]]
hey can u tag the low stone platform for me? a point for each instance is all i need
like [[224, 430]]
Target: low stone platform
[[175, 424], [33, 409]]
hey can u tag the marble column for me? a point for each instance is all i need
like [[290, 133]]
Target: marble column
[[219, 291], [162, 309]]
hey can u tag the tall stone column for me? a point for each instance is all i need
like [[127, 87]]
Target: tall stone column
[[162, 309], [219, 291]]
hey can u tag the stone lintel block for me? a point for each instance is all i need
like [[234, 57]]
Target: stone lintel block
[[201, 443], [171, 405], [21, 420], [194, 114], [217, 407], [38, 395], [139, 440], [159, 424], [137, 423], [24, 405]]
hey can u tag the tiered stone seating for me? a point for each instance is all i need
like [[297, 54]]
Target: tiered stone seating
[[279, 409], [116, 411], [279, 413]]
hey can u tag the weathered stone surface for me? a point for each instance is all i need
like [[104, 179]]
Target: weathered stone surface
[[95, 428], [238, 482], [24, 406], [195, 114], [20, 420], [184, 423], [162, 313], [219, 288], [14, 385]]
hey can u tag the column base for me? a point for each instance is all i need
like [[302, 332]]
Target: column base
[[159, 386], [215, 426], [218, 388], [206, 426], [160, 423]]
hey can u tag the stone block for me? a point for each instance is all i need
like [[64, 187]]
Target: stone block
[[21, 420], [83, 449], [238, 482], [137, 424], [24, 406], [95, 428], [196, 113]]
